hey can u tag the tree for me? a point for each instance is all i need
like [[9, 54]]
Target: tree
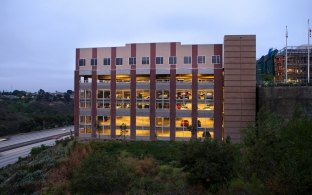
[[193, 130], [123, 130], [209, 163], [279, 153], [100, 174], [67, 97], [19, 93], [41, 94], [99, 130]]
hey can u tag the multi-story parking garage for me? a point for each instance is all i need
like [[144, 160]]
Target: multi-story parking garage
[[166, 91]]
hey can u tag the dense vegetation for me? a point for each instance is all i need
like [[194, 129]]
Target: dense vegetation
[[25, 113], [273, 158]]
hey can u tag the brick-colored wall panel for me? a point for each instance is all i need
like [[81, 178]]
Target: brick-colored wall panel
[[250, 71], [231, 61], [248, 77], [234, 130], [232, 124], [248, 65], [233, 112], [240, 43], [238, 54], [242, 48], [231, 101], [248, 107], [232, 95], [232, 71], [241, 96], [249, 119], [248, 113], [248, 83], [234, 136], [233, 77], [239, 83], [251, 101], [237, 37], [240, 89], [232, 106], [232, 118]]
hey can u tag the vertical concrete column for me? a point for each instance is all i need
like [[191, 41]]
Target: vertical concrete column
[[153, 91], [93, 96], [218, 94], [76, 96], [239, 84], [113, 92], [172, 104], [133, 96], [194, 88]]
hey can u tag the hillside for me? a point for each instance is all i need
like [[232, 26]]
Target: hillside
[[273, 158], [24, 115]]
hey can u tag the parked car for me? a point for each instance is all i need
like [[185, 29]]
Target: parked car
[[185, 123]]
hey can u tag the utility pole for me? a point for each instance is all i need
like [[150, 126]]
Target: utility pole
[[309, 35], [286, 60]]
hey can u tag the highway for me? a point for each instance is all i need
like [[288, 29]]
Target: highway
[[20, 145]]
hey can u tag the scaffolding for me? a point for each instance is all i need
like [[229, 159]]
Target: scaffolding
[[297, 64]]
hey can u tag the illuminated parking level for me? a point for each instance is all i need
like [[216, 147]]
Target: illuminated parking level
[[160, 91]]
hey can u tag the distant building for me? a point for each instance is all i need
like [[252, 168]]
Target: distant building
[[297, 66], [166, 91], [266, 66]]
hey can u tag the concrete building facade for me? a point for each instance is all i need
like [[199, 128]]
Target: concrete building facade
[[165, 91]]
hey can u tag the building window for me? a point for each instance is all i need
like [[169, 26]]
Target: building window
[[187, 59], [201, 60], [82, 62], [106, 61], [205, 100], [159, 60], [118, 61], [182, 128], [205, 127], [184, 99], [162, 126], [85, 94], [103, 125], [132, 61], [215, 60], [93, 62], [122, 126], [123, 99], [172, 60], [85, 120], [142, 97], [142, 126], [145, 60], [85, 99], [162, 99], [103, 99]]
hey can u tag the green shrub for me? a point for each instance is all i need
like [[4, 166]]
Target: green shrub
[[100, 173], [209, 163]]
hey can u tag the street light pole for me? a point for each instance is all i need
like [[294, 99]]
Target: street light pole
[[286, 60], [309, 35]]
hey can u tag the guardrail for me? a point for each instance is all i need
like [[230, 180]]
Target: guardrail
[[18, 145]]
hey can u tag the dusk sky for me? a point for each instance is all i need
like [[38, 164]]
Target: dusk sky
[[39, 37]]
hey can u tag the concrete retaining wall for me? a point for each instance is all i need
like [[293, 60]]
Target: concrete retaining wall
[[284, 100]]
